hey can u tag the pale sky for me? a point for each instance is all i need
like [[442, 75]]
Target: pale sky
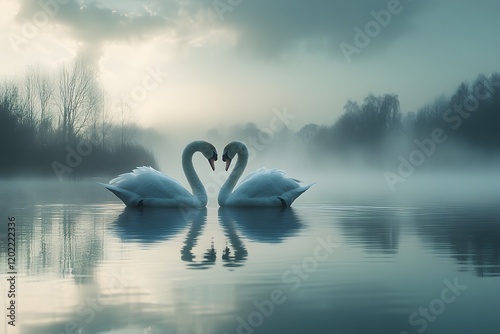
[[230, 61]]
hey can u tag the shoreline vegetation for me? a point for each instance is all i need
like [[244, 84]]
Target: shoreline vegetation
[[62, 126]]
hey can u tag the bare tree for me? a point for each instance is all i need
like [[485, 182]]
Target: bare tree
[[45, 93], [93, 130], [101, 127], [78, 96], [37, 92], [29, 100], [106, 120], [124, 114]]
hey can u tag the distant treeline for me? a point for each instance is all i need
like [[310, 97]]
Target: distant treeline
[[61, 126], [375, 131], [469, 120]]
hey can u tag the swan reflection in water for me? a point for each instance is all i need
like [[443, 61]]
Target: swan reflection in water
[[267, 225], [198, 219], [153, 225]]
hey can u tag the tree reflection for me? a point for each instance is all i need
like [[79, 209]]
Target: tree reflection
[[59, 239], [469, 234], [376, 229]]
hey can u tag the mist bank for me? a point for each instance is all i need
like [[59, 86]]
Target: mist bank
[[46, 131], [335, 187], [456, 132], [449, 148]]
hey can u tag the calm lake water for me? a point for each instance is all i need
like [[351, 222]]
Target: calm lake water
[[86, 264]]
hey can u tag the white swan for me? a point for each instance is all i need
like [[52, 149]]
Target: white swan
[[264, 187], [145, 186]]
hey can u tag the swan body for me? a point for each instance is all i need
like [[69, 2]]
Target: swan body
[[145, 186], [264, 187]]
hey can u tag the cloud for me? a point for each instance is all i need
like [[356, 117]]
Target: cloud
[[262, 27], [273, 27], [92, 24]]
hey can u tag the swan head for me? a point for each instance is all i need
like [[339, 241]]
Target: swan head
[[209, 151], [231, 150]]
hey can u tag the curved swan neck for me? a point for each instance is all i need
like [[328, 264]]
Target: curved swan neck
[[238, 170], [193, 179]]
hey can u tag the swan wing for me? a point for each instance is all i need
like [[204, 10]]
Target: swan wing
[[252, 174], [147, 182], [265, 183]]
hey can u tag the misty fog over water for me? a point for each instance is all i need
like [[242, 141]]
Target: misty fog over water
[[400, 228]]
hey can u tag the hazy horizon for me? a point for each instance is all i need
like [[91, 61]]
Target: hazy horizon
[[218, 66]]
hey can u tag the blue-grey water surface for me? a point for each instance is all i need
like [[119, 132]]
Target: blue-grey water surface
[[87, 264]]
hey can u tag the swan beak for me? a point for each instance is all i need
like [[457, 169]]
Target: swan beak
[[228, 162], [212, 160]]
